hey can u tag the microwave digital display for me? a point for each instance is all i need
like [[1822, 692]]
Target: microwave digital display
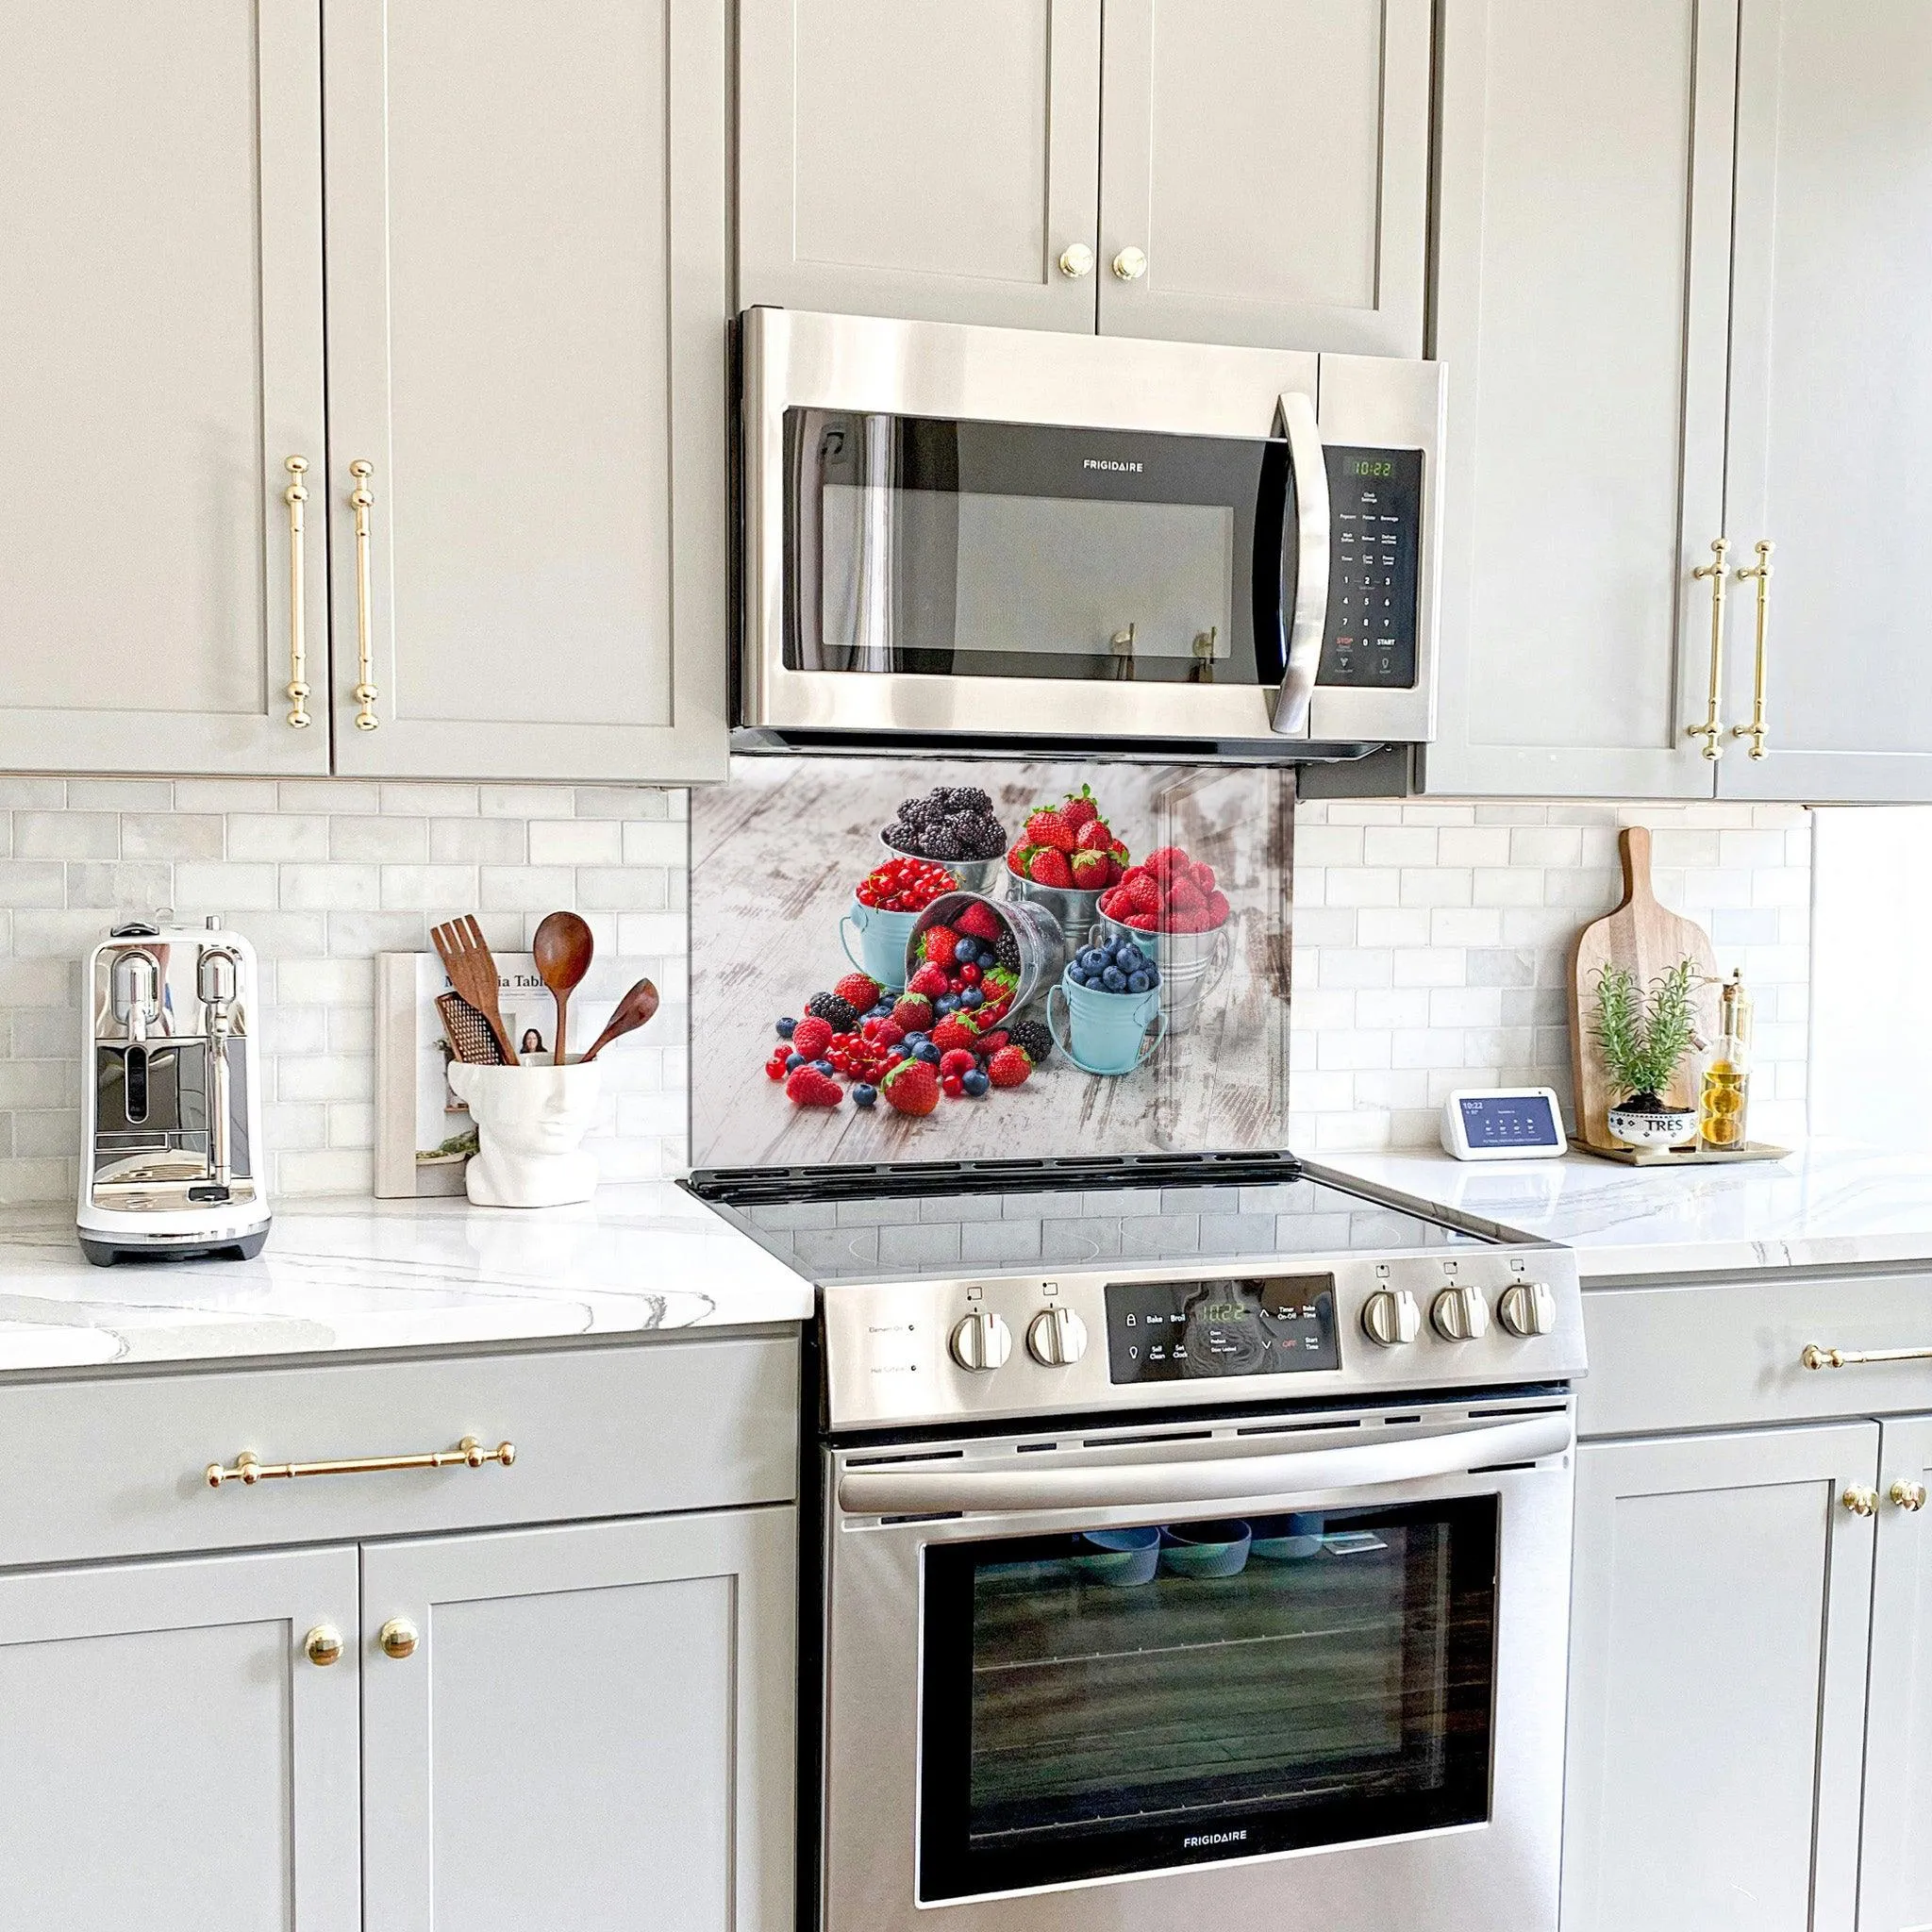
[[1375, 521]]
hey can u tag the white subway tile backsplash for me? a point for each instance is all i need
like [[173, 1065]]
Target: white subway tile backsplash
[[576, 842], [270, 836], [396, 841]]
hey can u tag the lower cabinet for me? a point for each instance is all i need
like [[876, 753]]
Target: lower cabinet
[[1719, 1634], [587, 1725]]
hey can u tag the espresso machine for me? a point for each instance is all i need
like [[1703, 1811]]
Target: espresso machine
[[171, 1145]]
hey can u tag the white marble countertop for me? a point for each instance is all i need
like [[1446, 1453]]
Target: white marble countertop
[[392, 1275], [1832, 1203]]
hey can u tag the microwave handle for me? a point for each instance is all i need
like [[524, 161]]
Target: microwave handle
[[1308, 621], [1236, 1480]]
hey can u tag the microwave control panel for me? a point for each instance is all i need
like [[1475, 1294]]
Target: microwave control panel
[[1376, 521]]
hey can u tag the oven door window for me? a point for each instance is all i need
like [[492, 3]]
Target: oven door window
[[1336, 1685], [969, 549]]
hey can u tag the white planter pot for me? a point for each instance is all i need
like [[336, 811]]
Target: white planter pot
[[531, 1126], [1666, 1128]]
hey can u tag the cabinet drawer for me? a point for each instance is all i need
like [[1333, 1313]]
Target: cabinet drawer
[[116, 1466], [1692, 1354]]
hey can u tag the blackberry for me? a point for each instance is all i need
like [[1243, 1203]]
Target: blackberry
[[1033, 1040], [1007, 949], [829, 1006]]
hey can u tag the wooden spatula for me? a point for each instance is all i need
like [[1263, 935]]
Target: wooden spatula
[[633, 1010], [1645, 939], [460, 945]]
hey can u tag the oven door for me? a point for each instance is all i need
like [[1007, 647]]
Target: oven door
[[1310, 1669]]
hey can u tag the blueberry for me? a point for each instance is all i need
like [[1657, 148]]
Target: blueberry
[[863, 1095], [794, 1061], [972, 997], [1139, 982], [966, 953], [1114, 979], [946, 1003], [1130, 959], [1075, 977], [974, 1082], [823, 1066], [882, 1012], [928, 1052], [916, 1040], [786, 1028], [1093, 959]]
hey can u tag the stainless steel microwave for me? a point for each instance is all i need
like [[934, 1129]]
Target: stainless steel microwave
[[955, 533]]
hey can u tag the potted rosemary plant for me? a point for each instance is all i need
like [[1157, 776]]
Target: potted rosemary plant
[[1642, 1038]]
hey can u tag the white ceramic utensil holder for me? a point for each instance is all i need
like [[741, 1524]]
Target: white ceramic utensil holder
[[530, 1124]]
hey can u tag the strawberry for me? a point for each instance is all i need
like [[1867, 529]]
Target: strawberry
[[1049, 868], [812, 1035], [1018, 855], [1090, 870], [1080, 810], [1217, 908], [938, 944], [1047, 828], [859, 992], [991, 1043], [930, 982], [954, 1033], [912, 1087], [807, 1087], [912, 1013], [978, 921], [1094, 837], [1009, 1067]]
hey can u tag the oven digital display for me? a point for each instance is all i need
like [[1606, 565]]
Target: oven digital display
[[1192, 1331]]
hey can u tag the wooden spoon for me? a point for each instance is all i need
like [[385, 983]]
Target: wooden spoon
[[633, 1010], [562, 948]]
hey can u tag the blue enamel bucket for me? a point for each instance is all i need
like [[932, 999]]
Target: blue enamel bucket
[[1105, 1032]]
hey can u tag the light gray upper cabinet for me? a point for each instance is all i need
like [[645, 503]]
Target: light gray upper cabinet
[[526, 227], [1895, 1866], [161, 357], [1269, 162], [1719, 1620], [919, 158], [591, 1726], [1583, 255], [173, 1760], [1831, 396]]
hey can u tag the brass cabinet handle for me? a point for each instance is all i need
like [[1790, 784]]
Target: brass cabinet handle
[[1860, 1502], [322, 1646], [1077, 259], [1712, 730], [1816, 1357], [1761, 572], [362, 501], [250, 1470], [295, 495], [1130, 264], [397, 1639], [1907, 1495]]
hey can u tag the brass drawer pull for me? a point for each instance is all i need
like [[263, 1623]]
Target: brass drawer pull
[[295, 495], [1754, 731], [470, 1453], [322, 1646], [365, 693], [1712, 730], [1816, 1357]]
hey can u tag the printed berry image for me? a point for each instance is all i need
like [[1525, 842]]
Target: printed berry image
[[954, 821], [1070, 846], [1119, 966], [905, 885], [1167, 892]]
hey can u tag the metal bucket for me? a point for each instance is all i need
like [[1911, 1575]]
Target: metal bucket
[[1073, 912], [1192, 965], [1037, 934], [974, 874]]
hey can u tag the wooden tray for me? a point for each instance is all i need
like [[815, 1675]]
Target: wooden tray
[[1684, 1157]]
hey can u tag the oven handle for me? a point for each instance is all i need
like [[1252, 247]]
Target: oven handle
[[1232, 1479], [1309, 622]]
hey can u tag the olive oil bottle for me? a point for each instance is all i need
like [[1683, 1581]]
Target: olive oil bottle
[[1724, 1103]]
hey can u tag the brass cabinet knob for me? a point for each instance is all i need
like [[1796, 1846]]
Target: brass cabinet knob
[[1860, 1502], [1130, 264], [1077, 259], [1908, 1495], [323, 1645], [397, 1637]]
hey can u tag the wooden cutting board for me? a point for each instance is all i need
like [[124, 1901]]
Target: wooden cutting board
[[1646, 939]]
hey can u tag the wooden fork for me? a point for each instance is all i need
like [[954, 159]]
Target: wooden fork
[[460, 946]]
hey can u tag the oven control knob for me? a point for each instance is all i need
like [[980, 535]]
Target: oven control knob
[[1390, 1317], [1527, 1308], [982, 1341], [1461, 1314], [1055, 1338]]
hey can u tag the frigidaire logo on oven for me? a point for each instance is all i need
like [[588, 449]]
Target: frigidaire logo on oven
[[1110, 463], [1211, 1838]]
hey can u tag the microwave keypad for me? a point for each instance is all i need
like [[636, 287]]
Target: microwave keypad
[[1375, 506]]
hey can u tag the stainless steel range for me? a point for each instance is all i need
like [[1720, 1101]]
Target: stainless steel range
[[1225, 1581]]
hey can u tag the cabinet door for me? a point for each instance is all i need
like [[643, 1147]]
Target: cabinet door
[[1269, 160], [921, 158], [1719, 1614], [594, 1729], [1583, 257], [171, 1758], [526, 285], [160, 200], [1895, 1870], [1831, 395]]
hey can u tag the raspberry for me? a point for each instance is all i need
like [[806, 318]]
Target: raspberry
[[859, 990], [1009, 1067], [957, 1061], [810, 1037], [883, 1032], [807, 1087], [1049, 868], [1184, 897], [1140, 894], [1217, 907], [911, 1088], [1142, 921], [938, 944], [912, 1013], [978, 921], [1202, 876], [1046, 827]]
